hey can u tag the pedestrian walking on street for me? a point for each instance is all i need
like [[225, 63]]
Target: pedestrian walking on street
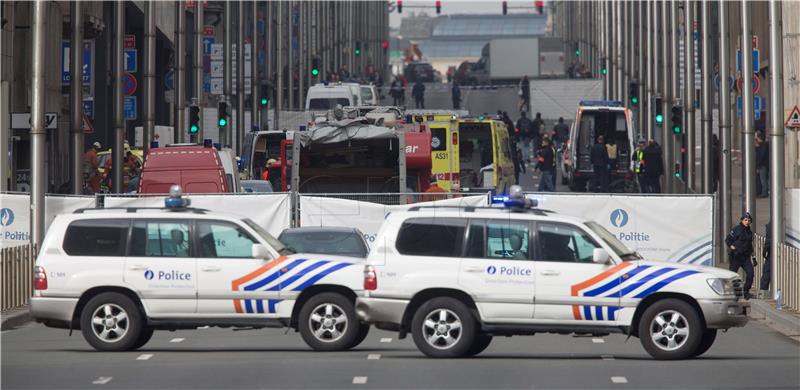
[[766, 267], [538, 128], [396, 91], [418, 93], [525, 129], [762, 165], [740, 250], [560, 132], [654, 167], [639, 166], [524, 93], [600, 162], [456, 95], [547, 165]]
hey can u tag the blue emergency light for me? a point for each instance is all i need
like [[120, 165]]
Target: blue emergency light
[[600, 103], [175, 201]]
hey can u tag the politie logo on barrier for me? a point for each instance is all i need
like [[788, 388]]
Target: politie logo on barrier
[[149, 275], [6, 216], [619, 218], [491, 270]]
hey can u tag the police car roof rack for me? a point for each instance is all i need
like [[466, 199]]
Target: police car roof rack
[[135, 209], [471, 209], [600, 103]]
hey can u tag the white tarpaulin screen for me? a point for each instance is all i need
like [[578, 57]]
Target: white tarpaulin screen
[[667, 228], [366, 216], [15, 221], [270, 211], [792, 216]]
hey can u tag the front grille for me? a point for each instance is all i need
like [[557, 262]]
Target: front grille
[[738, 290]]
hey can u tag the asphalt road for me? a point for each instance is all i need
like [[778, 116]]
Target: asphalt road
[[35, 357]]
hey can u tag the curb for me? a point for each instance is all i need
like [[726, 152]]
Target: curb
[[782, 321], [15, 318]]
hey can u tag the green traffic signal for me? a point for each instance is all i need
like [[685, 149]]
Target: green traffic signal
[[314, 72], [194, 129], [635, 100], [223, 122], [676, 129], [605, 71], [659, 118], [358, 52], [577, 52], [677, 174], [263, 101]]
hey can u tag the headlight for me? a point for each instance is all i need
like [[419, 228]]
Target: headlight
[[721, 286]]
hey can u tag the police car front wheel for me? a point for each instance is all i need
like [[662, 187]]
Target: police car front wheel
[[671, 329], [111, 322], [444, 328], [328, 322]]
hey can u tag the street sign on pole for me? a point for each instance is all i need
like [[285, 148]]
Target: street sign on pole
[[131, 63], [129, 84], [793, 120], [757, 108], [22, 120], [129, 41], [739, 60], [129, 107]]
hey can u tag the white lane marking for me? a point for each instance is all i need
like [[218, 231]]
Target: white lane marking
[[386, 340], [102, 380], [619, 379], [607, 357], [177, 340], [359, 380], [145, 356], [373, 356], [204, 327], [598, 341]]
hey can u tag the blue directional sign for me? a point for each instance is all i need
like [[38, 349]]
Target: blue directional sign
[[207, 42], [757, 108], [131, 63], [87, 62], [739, 60], [129, 107]]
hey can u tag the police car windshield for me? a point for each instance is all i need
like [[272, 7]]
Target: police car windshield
[[616, 245], [272, 241]]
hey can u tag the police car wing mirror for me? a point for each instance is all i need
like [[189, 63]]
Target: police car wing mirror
[[260, 251], [600, 256]]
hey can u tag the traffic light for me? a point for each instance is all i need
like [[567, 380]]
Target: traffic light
[[603, 70], [222, 114], [315, 66], [677, 171], [539, 6], [358, 48], [577, 49], [194, 119], [264, 95], [677, 119], [438, 7], [633, 92], [505, 8], [399, 6], [659, 111]]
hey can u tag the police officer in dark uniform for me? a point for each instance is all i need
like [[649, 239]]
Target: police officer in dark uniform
[[740, 250]]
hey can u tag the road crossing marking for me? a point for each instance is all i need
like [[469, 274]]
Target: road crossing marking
[[598, 341], [177, 340], [619, 379], [386, 340], [102, 380], [373, 356], [145, 356], [607, 357], [359, 380]]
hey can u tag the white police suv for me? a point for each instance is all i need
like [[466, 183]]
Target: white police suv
[[454, 277], [119, 274]]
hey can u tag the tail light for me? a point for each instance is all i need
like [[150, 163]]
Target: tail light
[[39, 278], [370, 278]]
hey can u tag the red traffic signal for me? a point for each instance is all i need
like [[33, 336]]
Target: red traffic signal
[[399, 6], [505, 8], [438, 7], [385, 44], [539, 6]]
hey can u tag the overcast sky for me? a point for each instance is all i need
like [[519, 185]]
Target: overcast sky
[[453, 7]]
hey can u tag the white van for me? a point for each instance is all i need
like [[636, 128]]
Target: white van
[[369, 95], [323, 97]]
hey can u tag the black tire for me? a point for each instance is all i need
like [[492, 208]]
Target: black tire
[[144, 337], [331, 336], [706, 342], [362, 335], [454, 311], [110, 307], [480, 344], [680, 335]]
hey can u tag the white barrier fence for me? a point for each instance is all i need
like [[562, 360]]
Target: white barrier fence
[[15, 214]]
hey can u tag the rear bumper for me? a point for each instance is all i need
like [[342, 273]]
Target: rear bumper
[[381, 310], [724, 314], [49, 310]]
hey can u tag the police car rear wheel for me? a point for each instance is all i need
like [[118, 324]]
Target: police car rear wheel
[[444, 328], [111, 322], [670, 329], [328, 323]]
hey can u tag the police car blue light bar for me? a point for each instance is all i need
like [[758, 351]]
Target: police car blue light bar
[[600, 103], [175, 201]]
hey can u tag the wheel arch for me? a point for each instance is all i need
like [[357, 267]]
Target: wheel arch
[[425, 295], [656, 297], [308, 293], [95, 291]]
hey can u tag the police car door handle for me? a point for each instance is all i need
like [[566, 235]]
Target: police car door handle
[[137, 267], [211, 269], [474, 269], [550, 273]]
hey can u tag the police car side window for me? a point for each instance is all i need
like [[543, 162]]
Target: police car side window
[[223, 239], [439, 237], [560, 242], [160, 238], [97, 237], [507, 240]]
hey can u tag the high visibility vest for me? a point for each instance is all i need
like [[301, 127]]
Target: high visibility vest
[[639, 166]]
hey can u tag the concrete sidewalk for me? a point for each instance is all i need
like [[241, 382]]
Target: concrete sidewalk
[[783, 321], [14, 318]]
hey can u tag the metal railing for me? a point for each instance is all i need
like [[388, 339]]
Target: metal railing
[[16, 274], [789, 275]]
